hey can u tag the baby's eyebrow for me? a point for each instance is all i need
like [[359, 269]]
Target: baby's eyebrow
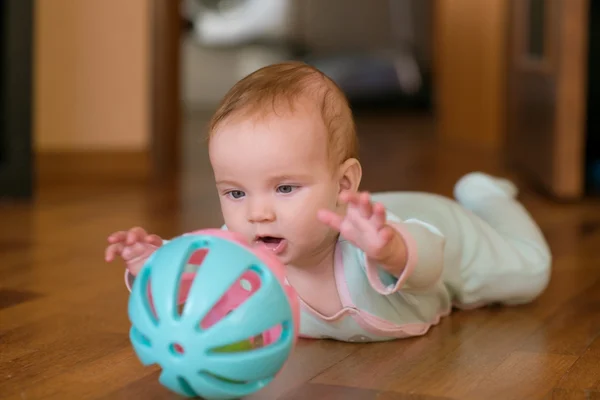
[[226, 182], [282, 177], [287, 177]]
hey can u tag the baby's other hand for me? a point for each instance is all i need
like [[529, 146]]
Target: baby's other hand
[[133, 246], [365, 225]]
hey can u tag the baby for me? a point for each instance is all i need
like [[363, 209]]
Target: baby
[[284, 152]]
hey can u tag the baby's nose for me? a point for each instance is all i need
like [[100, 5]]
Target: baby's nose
[[261, 212]]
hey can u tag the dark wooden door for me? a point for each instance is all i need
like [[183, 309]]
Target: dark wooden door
[[167, 26], [547, 76], [16, 160]]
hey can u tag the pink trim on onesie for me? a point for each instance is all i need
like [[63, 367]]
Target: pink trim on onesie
[[370, 322]]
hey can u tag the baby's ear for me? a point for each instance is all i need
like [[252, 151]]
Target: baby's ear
[[350, 174]]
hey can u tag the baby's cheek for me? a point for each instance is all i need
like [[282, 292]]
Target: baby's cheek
[[234, 218], [240, 229], [311, 228]]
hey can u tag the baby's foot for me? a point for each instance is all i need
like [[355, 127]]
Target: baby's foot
[[477, 186]]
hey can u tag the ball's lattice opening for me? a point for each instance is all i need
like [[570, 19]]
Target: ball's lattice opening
[[176, 349]]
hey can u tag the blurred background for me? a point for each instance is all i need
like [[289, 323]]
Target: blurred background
[[120, 91], [377, 51]]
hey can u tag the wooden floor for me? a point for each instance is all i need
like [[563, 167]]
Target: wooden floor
[[63, 317]]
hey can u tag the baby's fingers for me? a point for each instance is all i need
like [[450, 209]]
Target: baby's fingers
[[112, 251], [330, 218], [117, 237], [349, 197], [379, 214], [366, 208], [135, 235], [154, 240]]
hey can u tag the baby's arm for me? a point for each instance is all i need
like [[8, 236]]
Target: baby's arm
[[411, 251], [424, 248]]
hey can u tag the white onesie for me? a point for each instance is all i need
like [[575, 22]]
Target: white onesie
[[483, 249]]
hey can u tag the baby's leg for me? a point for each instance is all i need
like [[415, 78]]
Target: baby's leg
[[513, 258]]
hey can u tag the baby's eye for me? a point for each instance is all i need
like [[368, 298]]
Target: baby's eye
[[236, 194], [286, 189]]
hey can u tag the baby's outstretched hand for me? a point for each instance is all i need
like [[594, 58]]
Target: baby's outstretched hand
[[133, 246], [366, 227]]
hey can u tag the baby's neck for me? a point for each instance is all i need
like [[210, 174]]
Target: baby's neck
[[317, 263], [314, 281]]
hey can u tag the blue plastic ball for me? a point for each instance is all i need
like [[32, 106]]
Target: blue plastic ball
[[195, 360]]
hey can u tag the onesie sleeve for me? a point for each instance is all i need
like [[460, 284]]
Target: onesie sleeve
[[425, 247]]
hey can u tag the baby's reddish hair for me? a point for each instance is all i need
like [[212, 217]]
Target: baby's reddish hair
[[260, 92]]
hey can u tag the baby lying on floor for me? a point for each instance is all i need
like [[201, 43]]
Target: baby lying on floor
[[284, 151]]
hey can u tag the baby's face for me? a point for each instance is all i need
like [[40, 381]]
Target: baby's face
[[272, 176]]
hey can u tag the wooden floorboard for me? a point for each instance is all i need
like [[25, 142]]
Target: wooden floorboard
[[63, 311]]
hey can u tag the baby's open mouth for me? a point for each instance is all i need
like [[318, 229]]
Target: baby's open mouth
[[273, 243], [270, 240]]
